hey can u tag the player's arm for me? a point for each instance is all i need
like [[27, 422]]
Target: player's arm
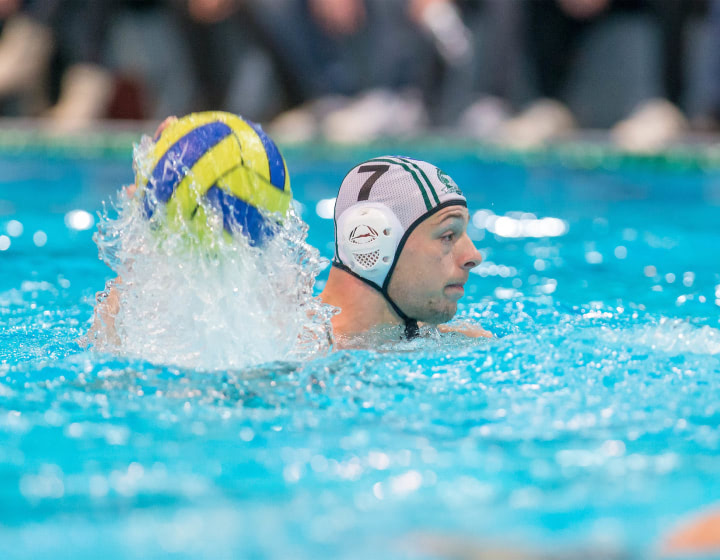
[[107, 302], [698, 535], [107, 305], [468, 329]]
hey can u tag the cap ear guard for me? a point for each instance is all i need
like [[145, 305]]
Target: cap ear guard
[[368, 235]]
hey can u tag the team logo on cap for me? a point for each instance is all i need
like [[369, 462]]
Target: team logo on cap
[[450, 185], [360, 235]]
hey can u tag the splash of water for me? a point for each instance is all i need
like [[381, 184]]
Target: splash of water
[[670, 336], [209, 302]]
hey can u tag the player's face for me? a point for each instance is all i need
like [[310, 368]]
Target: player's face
[[433, 267]]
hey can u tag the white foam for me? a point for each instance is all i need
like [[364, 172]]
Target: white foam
[[674, 336], [219, 306]]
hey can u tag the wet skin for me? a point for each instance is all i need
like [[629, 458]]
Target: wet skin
[[434, 266]]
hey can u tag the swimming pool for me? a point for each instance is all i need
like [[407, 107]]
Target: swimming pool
[[589, 423]]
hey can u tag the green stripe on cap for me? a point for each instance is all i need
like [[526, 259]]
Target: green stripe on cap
[[428, 204], [427, 181]]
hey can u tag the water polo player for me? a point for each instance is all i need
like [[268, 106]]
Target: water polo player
[[402, 253]]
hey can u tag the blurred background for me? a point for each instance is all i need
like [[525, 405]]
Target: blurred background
[[641, 74]]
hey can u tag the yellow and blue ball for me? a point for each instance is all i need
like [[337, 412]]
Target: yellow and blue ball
[[221, 163]]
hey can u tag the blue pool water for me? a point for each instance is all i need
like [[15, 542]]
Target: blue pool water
[[590, 423]]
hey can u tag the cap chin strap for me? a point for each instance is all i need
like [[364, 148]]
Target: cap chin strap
[[411, 325], [366, 241]]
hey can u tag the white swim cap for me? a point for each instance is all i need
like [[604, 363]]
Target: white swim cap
[[380, 202]]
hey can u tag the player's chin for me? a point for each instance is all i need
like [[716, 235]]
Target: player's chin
[[440, 314]]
